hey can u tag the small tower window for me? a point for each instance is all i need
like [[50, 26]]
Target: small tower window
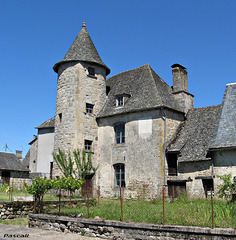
[[60, 117], [89, 108], [91, 71], [88, 145], [120, 101]]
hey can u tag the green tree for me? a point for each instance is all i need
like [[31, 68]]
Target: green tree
[[38, 188], [83, 166]]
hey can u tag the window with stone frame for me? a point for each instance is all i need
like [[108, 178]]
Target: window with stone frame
[[119, 175], [88, 145], [119, 133], [89, 108], [91, 71]]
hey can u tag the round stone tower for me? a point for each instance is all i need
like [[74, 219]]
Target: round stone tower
[[81, 92]]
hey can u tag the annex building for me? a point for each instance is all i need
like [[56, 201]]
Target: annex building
[[142, 133]]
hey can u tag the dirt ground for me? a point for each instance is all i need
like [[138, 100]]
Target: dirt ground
[[14, 232]]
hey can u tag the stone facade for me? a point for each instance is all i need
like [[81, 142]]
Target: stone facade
[[76, 88], [224, 163], [142, 153], [33, 154]]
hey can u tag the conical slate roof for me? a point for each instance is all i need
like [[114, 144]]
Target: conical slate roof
[[82, 49]]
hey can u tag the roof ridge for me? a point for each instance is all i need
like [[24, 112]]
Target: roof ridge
[[152, 72], [217, 105], [133, 69]]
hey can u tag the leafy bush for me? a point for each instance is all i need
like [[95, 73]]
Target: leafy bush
[[227, 187], [5, 188]]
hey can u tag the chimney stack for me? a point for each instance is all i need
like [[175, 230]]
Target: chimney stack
[[180, 87], [19, 154], [180, 78]]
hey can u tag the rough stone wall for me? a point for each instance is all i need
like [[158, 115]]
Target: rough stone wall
[[142, 152], [16, 209], [122, 230], [185, 99], [10, 210], [74, 89], [33, 156], [193, 171], [19, 183], [224, 163]]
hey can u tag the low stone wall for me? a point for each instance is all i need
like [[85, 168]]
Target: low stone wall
[[124, 230], [10, 210]]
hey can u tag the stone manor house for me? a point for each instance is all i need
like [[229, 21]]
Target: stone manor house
[[142, 133]]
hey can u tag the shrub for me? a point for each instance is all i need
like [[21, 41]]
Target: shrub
[[5, 188]]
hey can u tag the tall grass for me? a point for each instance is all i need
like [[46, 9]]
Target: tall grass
[[180, 212]]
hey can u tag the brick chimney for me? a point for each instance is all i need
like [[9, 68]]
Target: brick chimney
[[180, 87], [19, 154]]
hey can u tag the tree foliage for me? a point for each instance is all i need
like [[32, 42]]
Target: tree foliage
[[39, 187], [227, 187], [83, 166]]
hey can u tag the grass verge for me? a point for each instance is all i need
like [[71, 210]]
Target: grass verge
[[180, 212], [15, 221]]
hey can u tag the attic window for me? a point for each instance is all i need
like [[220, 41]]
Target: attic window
[[120, 101], [91, 71]]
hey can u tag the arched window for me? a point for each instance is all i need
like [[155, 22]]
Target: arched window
[[120, 133], [119, 175]]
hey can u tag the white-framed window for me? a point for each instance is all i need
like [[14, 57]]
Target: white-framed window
[[88, 145], [119, 133], [119, 175], [120, 101], [89, 108]]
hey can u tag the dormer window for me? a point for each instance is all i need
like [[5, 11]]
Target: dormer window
[[91, 71], [120, 101]]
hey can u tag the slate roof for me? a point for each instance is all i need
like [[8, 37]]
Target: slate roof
[[146, 89], [9, 161], [225, 131], [47, 124], [82, 49], [194, 135]]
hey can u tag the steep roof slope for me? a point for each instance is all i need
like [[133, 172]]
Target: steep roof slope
[[194, 135], [47, 124], [145, 88], [225, 131], [82, 49], [9, 161]]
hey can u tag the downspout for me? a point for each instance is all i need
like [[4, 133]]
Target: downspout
[[164, 147]]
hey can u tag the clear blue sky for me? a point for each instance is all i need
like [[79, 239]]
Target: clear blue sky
[[200, 35]]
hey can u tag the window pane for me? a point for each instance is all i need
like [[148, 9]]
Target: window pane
[[119, 175], [91, 71], [120, 133], [89, 108]]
